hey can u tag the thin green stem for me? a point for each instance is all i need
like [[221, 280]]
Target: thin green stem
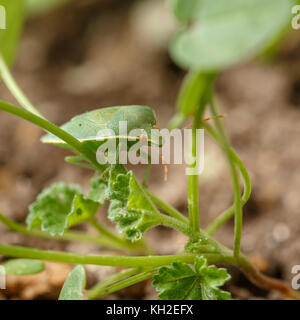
[[148, 262], [50, 127], [167, 208], [227, 214], [193, 184], [125, 283], [174, 223], [167, 220], [15, 89], [115, 261], [235, 180], [98, 289], [75, 236], [114, 238]]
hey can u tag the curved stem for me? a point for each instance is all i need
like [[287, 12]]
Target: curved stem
[[264, 281], [149, 261], [114, 238], [15, 89], [227, 214], [174, 223], [50, 127], [75, 236], [125, 283], [167, 208], [235, 181], [99, 288]]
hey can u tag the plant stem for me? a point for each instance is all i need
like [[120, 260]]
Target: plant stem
[[98, 289], [125, 283], [167, 220], [149, 261], [114, 261], [167, 208], [15, 89], [50, 127], [193, 184], [174, 223], [264, 281], [75, 236], [227, 214], [114, 238], [235, 181]]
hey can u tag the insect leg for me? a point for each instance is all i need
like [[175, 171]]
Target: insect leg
[[189, 126]]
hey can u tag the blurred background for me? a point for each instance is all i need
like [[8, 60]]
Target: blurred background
[[87, 54]]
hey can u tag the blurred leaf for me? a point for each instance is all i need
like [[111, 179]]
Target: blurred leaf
[[74, 285], [130, 207], [59, 207], [23, 267], [180, 282], [36, 7], [226, 32], [9, 37], [185, 10]]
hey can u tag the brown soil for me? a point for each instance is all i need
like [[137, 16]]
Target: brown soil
[[87, 55]]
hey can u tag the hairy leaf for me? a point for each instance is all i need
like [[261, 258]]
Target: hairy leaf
[[74, 285], [23, 267], [11, 15], [130, 207], [180, 282], [59, 207], [226, 32], [98, 191]]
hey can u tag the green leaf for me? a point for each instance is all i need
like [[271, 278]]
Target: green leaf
[[98, 191], [9, 37], [60, 207], [82, 210], [226, 32], [130, 207], [185, 10], [23, 267], [180, 282], [74, 285]]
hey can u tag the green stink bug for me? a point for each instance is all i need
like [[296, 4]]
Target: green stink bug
[[94, 128], [86, 127]]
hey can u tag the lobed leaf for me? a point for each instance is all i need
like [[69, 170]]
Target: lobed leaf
[[226, 32], [130, 207], [60, 207], [74, 285], [98, 190], [23, 267], [180, 282]]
